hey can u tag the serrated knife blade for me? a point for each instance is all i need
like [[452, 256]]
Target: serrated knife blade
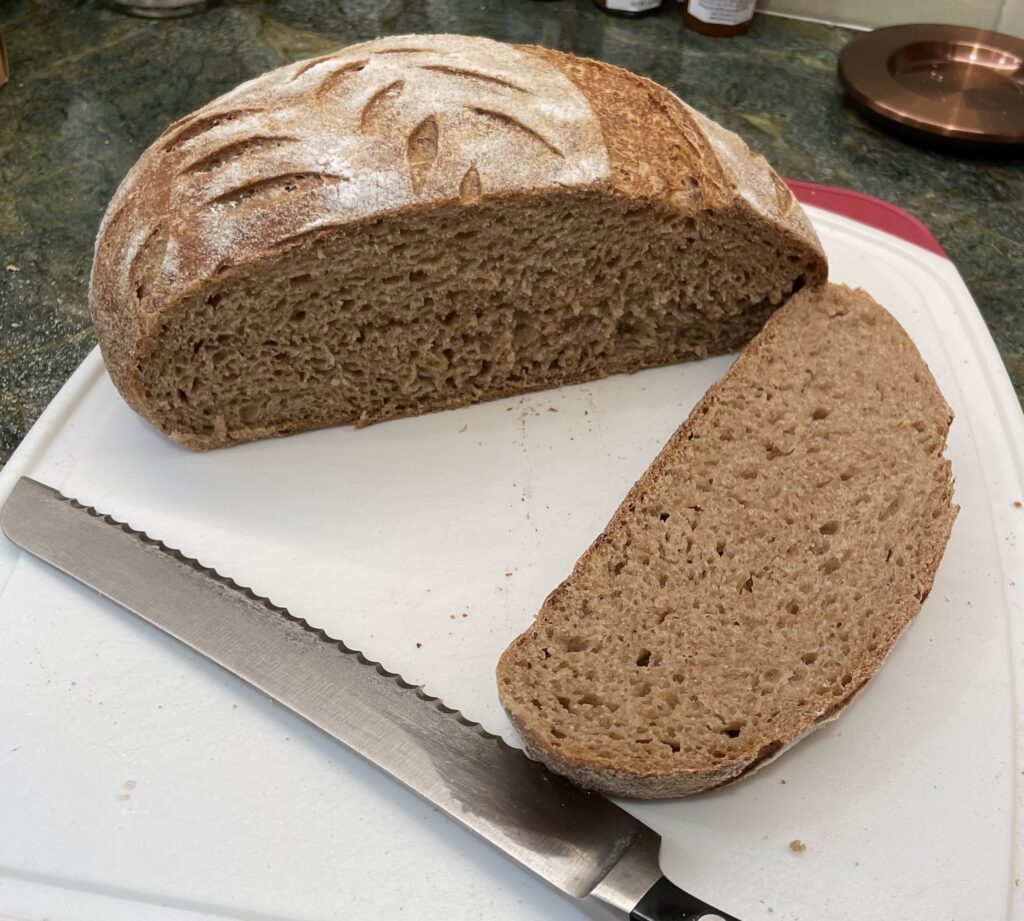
[[577, 841]]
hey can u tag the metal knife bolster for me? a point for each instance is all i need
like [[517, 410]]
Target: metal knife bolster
[[577, 841]]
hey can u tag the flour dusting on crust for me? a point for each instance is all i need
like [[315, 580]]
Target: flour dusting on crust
[[401, 122]]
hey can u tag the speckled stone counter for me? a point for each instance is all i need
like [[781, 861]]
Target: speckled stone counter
[[91, 88]]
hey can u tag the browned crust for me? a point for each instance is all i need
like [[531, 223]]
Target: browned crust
[[659, 148], [659, 151], [654, 148], [607, 776]]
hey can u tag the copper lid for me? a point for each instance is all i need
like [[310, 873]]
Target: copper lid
[[5, 72], [952, 82]]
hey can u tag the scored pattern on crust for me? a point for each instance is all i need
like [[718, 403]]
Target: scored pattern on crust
[[390, 124], [473, 75], [196, 125], [380, 107], [219, 156], [510, 121], [755, 181], [333, 79], [145, 260], [287, 182]]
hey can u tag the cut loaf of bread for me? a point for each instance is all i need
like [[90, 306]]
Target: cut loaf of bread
[[757, 574], [423, 222]]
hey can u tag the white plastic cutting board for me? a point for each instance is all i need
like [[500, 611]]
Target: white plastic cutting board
[[138, 781]]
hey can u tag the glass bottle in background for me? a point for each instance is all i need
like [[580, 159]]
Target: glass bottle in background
[[630, 8], [719, 18]]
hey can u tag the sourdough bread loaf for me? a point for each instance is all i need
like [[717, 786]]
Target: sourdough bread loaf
[[758, 573], [423, 222]]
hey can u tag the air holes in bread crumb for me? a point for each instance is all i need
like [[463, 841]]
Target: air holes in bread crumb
[[889, 510], [820, 413], [644, 658], [829, 528]]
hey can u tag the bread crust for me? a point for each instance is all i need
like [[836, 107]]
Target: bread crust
[[177, 224], [605, 774]]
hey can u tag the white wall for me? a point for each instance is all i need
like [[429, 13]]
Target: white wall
[[1011, 19], [1002, 15]]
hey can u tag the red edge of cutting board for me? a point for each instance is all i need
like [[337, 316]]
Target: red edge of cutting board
[[867, 210]]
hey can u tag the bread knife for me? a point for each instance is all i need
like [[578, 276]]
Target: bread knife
[[577, 841]]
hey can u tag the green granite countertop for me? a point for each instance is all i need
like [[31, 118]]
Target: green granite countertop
[[91, 88]]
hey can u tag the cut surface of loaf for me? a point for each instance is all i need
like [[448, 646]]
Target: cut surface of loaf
[[757, 574], [423, 222]]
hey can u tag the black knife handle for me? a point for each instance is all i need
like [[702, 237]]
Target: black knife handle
[[666, 902]]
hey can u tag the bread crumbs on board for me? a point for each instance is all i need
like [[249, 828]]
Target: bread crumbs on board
[[797, 846]]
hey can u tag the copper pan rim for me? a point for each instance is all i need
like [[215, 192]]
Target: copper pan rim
[[953, 82]]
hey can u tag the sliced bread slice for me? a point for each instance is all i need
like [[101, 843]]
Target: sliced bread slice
[[758, 573]]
